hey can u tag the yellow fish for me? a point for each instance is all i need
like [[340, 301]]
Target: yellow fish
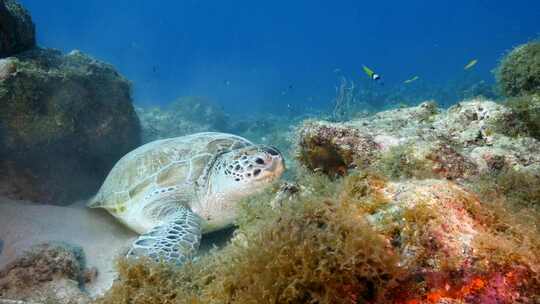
[[370, 73], [412, 79], [471, 64]]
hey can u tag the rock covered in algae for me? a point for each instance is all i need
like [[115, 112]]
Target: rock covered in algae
[[65, 121], [519, 71], [360, 239], [50, 272], [469, 138], [17, 31], [333, 148]]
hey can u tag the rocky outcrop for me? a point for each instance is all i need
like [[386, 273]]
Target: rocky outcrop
[[46, 273], [65, 121], [470, 138], [449, 239], [17, 31]]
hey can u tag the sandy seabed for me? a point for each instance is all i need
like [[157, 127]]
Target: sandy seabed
[[23, 224]]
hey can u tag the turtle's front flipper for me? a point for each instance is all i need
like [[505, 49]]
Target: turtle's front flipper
[[175, 240]]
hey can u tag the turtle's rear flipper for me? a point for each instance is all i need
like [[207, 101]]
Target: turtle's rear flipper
[[176, 240]]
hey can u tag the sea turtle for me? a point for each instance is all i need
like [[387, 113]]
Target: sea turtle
[[171, 191]]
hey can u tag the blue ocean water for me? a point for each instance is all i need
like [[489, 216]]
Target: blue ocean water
[[255, 56]]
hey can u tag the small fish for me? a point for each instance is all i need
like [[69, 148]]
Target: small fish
[[415, 78], [471, 64], [370, 73], [337, 70], [227, 83]]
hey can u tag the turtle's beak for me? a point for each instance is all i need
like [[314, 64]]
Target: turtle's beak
[[276, 165]]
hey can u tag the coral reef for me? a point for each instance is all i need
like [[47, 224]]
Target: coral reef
[[410, 205], [50, 272], [360, 239], [519, 71], [17, 31], [470, 138], [65, 121], [413, 205]]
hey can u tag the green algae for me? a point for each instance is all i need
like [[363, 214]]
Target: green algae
[[317, 249], [519, 71], [527, 111], [400, 162]]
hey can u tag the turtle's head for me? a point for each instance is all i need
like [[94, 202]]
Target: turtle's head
[[244, 171], [233, 176]]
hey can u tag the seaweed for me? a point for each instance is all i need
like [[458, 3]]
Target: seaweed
[[322, 247], [510, 214], [318, 249], [400, 162], [519, 189], [527, 111]]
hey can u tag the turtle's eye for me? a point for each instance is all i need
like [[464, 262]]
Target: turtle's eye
[[259, 161], [272, 151]]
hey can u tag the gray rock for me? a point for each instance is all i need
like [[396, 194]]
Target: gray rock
[[65, 121], [17, 31]]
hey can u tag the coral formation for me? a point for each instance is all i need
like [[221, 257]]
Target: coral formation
[[17, 31], [468, 139], [519, 71], [50, 272], [70, 110], [333, 148]]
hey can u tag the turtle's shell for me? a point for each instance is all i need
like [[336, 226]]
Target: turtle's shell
[[174, 164]]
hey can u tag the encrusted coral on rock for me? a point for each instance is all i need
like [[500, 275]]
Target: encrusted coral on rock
[[469, 138], [474, 238], [334, 148], [65, 121], [17, 31], [360, 239], [51, 272]]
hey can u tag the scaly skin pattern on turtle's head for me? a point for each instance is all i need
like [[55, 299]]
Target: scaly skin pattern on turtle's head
[[233, 176]]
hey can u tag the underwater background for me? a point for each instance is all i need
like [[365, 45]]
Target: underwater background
[[397, 155], [263, 56]]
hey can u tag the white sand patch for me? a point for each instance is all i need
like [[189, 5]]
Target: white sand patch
[[102, 238]]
